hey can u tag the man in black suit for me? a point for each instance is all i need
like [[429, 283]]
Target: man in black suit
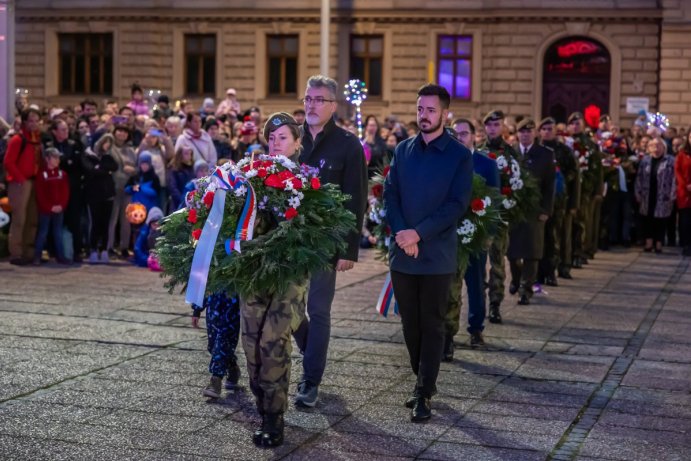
[[526, 239]]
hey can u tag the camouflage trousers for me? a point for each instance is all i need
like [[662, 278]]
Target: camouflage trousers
[[497, 261], [558, 246], [580, 227], [267, 326], [593, 227], [474, 276]]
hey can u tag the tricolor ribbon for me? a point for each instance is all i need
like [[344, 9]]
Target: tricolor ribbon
[[199, 273], [386, 297]]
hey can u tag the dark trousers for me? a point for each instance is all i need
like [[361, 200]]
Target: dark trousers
[[619, 214], [222, 331], [654, 228], [550, 257], [100, 215], [73, 221], [312, 336], [685, 227], [524, 274], [672, 227], [49, 222], [422, 303]]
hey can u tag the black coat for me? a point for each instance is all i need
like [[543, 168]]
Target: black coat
[[341, 161], [99, 185], [527, 239]]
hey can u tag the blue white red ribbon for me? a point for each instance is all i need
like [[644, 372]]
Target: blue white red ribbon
[[386, 298], [199, 272]]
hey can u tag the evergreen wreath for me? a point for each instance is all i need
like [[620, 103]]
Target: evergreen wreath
[[519, 190], [475, 230], [299, 228]]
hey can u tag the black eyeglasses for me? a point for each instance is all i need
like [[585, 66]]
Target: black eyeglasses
[[318, 101]]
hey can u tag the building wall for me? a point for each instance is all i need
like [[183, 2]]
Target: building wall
[[507, 58]]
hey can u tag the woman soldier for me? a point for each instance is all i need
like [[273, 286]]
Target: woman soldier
[[268, 320]]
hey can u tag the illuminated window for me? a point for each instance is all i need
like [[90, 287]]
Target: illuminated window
[[86, 63], [454, 64]]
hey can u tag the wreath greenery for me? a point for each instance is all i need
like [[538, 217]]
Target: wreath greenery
[[300, 226], [521, 195], [479, 223]]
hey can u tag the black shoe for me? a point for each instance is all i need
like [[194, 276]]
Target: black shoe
[[584, 261], [422, 410], [551, 281], [410, 402], [524, 301], [494, 314], [232, 375], [272, 433], [21, 261], [447, 354], [124, 254], [257, 436], [565, 274], [476, 339], [513, 288], [577, 263]]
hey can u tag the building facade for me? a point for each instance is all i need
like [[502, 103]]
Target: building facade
[[526, 57]]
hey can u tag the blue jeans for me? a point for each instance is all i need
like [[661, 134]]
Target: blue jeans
[[312, 337], [52, 222]]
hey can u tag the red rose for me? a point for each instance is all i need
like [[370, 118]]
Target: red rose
[[297, 184], [273, 181], [506, 190], [315, 183], [291, 213], [192, 217], [477, 205], [385, 173], [208, 199], [261, 172], [492, 155], [196, 234], [378, 190]]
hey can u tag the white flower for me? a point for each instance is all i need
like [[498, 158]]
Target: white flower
[[467, 228], [508, 203], [382, 212], [480, 212], [240, 191], [516, 183], [250, 174], [294, 202], [213, 185], [466, 240], [288, 185], [487, 201], [501, 162], [515, 168], [300, 195], [374, 217]]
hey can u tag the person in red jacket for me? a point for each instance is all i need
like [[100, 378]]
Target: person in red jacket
[[682, 173], [22, 162], [52, 195]]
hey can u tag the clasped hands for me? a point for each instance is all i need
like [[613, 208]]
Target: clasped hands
[[407, 240]]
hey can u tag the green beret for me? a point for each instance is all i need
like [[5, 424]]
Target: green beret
[[277, 120], [574, 116], [493, 115], [547, 121], [526, 124]]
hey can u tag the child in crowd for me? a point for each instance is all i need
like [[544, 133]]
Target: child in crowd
[[223, 333], [145, 186], [52, 195], [201, 169], [146, 240]]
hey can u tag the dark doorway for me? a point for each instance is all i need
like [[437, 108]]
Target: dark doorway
[[576, 74]]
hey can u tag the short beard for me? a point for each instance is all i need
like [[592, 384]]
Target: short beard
[[432, 129]]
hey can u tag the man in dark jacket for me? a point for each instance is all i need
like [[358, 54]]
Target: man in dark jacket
[[527, 239], [71, 163], [427, 190], [475, 273], [340, 158]]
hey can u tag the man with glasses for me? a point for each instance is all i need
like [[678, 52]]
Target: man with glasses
[[475, 273], [341, 161]]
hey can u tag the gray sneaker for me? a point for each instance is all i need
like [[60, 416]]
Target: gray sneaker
[[307, 394], [213, 390]]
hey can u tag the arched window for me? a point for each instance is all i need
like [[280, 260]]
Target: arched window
[[576, 74]]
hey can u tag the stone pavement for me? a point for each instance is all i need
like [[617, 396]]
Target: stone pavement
[[101, 363]]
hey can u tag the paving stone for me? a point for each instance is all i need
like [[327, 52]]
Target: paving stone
[[444, 451], [565, 367]]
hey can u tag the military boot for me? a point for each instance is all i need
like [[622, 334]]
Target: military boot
[[272, 434]]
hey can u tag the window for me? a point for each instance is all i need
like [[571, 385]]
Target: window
[[86, 63], [454, 64], [366, 56], [200, 64], [282, 55]]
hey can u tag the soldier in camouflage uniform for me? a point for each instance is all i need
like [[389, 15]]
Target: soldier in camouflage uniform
[[496, 146], [589, 159], [268, 320], [558, 246]]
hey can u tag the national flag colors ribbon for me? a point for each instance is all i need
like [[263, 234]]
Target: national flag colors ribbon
[[199, 273], [386, 298]]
